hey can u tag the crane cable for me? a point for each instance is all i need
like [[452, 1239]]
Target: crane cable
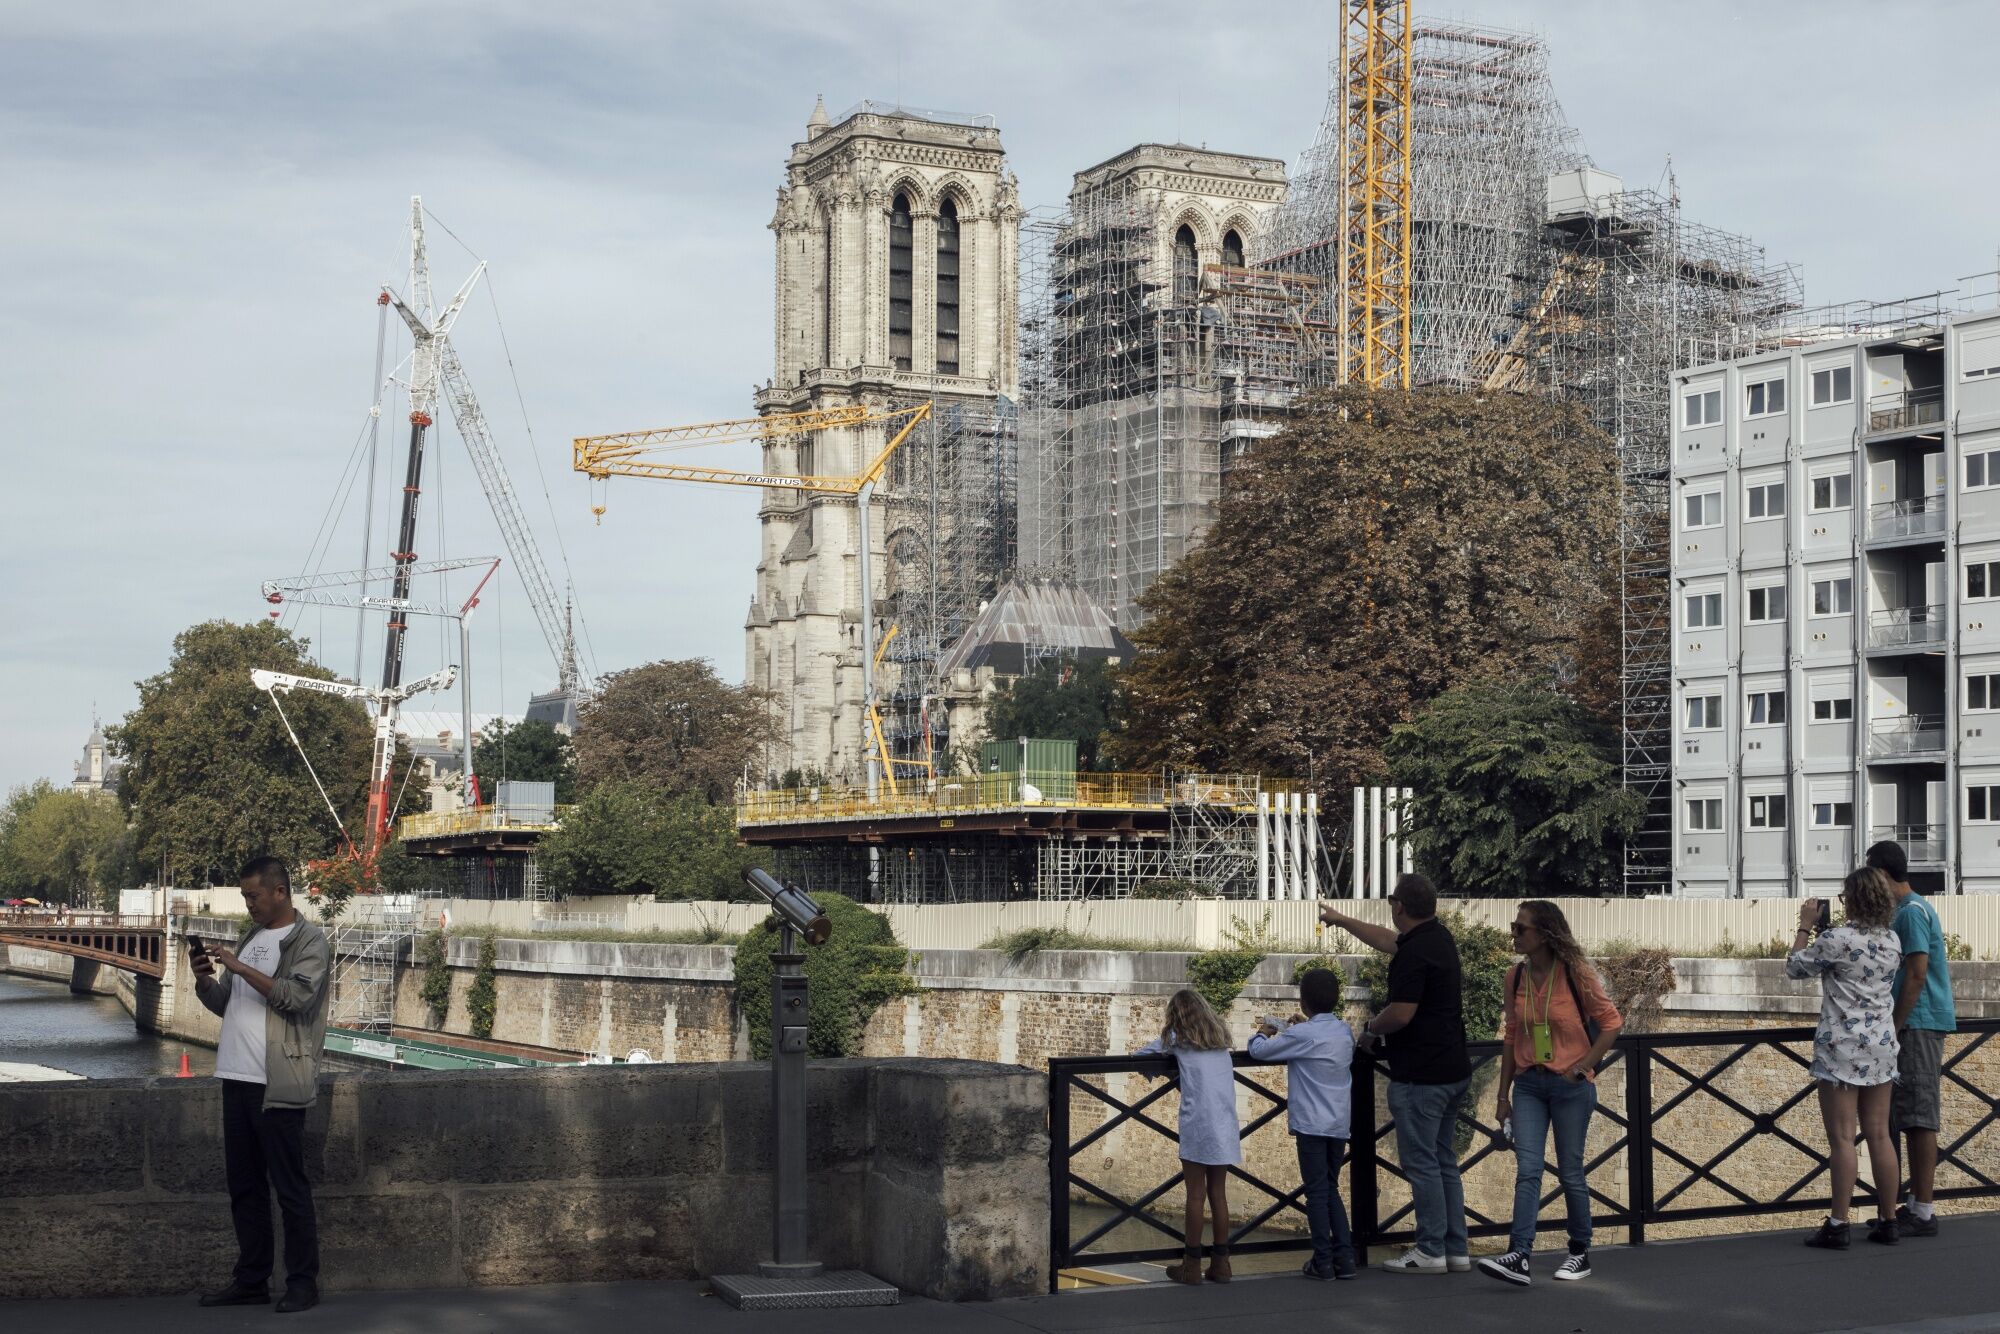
[[312, 772]]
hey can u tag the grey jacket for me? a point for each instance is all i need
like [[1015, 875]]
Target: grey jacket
[[294, 1013]]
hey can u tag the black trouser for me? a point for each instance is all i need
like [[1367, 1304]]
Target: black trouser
[[263, 1151]]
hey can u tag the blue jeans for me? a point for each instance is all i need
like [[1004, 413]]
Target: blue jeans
[[1320, 1157], [1544, 1100], [1426, 1117]]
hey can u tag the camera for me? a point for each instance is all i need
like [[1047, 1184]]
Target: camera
[[792, 904]]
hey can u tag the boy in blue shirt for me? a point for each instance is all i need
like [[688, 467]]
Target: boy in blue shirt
[[1923, 1014], [1319, 1050]]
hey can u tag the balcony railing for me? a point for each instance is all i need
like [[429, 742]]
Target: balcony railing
[[1922, 843], [1911, 734], [1919, 516], [1901, 627], [1900, 412]]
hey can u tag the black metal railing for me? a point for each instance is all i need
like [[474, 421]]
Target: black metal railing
[[1664, 1115]]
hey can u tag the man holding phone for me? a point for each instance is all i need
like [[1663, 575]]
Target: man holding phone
[[273, 1008]]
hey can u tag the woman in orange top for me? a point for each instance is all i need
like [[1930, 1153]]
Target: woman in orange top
[[1548, 1080]]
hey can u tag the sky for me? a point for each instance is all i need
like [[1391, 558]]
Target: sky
[[201, 201]]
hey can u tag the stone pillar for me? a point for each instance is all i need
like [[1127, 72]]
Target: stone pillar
[[923, 289]]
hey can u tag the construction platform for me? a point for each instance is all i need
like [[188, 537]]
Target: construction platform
[[477, 829]]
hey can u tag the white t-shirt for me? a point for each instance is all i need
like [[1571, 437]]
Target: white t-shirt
[[240, 1053]]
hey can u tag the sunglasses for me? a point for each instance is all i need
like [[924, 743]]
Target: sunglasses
[[1518, 927]]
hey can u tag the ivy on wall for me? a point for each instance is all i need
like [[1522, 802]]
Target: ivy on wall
[[483, 998], [849, 977], [436, 990]]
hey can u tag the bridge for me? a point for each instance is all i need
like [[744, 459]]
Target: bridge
[[134, 944]]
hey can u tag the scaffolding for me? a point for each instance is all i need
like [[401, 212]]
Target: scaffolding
[[1647, 292], [1145, 378]]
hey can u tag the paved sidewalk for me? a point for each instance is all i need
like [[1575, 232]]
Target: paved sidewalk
[[1765, 1283]]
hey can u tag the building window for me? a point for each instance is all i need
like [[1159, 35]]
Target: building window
[[1703, 713], [1765, 604], [1764, 708], [1983, 469], [1833, 813], [947, 288], [1702, 408], [1703, 611], [1766, 500], [1833, 597], [902, 282], [1704, 815], [1187, 270], [1768, 812], [1982, 580], [1834, 491], [1701, 509], [1982, 804], [1833, 385], [1833, 709], [1980, 356], [1765, 398], [1982, 693], [1232, 249]]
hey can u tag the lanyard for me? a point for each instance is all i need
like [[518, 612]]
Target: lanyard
[[1543, 1034]]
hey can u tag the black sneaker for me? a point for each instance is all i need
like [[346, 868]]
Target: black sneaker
[[1576, 1266], [302, 1297], [1883, 1232], [236, 1294], [1509, 1268], [1344, 1268], [1312, 1270], [1909, 1225], [1831, 1236]]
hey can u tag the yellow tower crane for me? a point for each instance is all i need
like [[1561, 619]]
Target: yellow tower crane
[[634, 454], [1375, 63]]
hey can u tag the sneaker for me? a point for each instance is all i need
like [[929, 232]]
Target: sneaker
[[237, 1294], [1314, 1271], [1414, 1261], [1458, 1264], [1883, 1232], [1346, 1269], [1831, 1236], [1509, 1268], [1909, 1225], [1576, 1266]]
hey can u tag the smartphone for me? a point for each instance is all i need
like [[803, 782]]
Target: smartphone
[[197, 952], [1825, 914]]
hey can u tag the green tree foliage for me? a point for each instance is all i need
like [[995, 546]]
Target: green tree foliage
[[1381, 550], [65, 847], [531, 751], [1516, 793], [675, 726], [212, 779], [1485, 953], [632, 838], [433, 954], [482, 999], [848, 978], [1061, 701]]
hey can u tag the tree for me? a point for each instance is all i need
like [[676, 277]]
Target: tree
[[675, 726], [212, 778], [1383, 548], [532, 751], [65, 847], [633, 838], [1516, 793], [1063, 701]]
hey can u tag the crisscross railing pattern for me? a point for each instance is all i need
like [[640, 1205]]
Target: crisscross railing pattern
[[1655, 1154]]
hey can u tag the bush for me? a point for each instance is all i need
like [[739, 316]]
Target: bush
[[1018, 945], [483, 999], [1638, 979], [1956, 950], [436, 992], [1172, 889], [859, 967], [1219, 974]]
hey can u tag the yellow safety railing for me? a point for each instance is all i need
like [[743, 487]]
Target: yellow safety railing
[[478, 820], [974, 793]]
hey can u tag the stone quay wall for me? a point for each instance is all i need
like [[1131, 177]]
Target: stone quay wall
[[932, 1175]]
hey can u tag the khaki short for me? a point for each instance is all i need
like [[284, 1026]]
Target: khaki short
[[1914, 1105]]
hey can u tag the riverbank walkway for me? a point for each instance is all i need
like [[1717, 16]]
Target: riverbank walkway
[[1763, 1283]]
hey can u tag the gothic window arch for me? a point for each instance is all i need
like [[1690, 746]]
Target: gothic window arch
[[947, 286], [1187, 266], [902, 281], [826, 305], [1232, 248]]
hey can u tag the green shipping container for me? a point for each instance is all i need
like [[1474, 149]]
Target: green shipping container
[[1050, 766]]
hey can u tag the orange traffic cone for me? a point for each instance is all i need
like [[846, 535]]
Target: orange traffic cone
[[185, 1073]]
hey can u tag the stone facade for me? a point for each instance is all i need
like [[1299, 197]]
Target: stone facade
[[836, 299], [1169, 186]]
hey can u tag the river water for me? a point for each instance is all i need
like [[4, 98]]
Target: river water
[[42, 1024]]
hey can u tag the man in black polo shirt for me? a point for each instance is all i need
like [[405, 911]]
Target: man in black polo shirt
[[1424, 1027]]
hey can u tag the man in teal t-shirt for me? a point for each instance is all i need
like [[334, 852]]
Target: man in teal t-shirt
[[1924, 1014]]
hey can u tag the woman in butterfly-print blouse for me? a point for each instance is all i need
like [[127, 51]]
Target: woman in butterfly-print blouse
[[1854, 1052]]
